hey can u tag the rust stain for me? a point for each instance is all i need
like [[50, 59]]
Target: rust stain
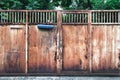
[[103, 45], [12, 40], [75, 47], [42, 50]]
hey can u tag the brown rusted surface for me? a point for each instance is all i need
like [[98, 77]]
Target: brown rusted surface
[[75, 56], [12, 45], [93, 45], [42, 50], [104, 48]]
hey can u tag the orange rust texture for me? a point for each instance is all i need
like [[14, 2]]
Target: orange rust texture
[[42, 50], [12, 46], [75, 56], [104, 48]]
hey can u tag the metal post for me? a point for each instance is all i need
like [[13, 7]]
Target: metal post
[[90, 40], [26, 37], [59, 23]]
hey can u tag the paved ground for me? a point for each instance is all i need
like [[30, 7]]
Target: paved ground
[[59, 78]]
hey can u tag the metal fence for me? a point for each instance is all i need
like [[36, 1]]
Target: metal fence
[[50, 16], [82, 42]]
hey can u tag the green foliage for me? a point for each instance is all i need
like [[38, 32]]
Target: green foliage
[[112, 4], [98, 4], [10, 4], [108, 4], [38, 4], [65, 4]]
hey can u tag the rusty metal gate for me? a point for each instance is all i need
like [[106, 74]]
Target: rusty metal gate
[[75, 41], [82, 42], [12, 49]]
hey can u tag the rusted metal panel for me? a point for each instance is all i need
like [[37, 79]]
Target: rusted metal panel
[[82, 40], [12, 43], [42, 50], [104, 48], [75, 55]]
